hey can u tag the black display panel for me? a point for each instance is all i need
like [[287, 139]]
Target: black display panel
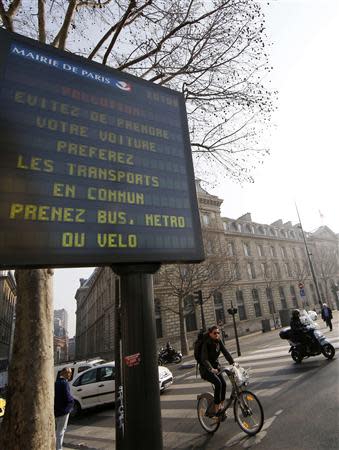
[[95, 164]]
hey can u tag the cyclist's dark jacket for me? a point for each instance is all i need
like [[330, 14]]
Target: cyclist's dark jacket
[[210, 353]]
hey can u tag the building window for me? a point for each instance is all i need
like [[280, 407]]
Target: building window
[[260, 249], [247, 250], [249, 229], [190, 316], [282, 232], [321, 291], [282, 297], [234, 226], [240, 305], [219, 307], [314, 297], [294, 252], [261, 230], [205, 219], [288, 270], [158, 321], [237, 272], [293, 297], [277, 270], [283, 252], [250, 271], [292, 234], [272, 251], [230, 249], [270, 301], [256, 302]]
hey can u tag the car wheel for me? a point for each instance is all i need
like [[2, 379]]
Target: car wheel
[[76, 411]]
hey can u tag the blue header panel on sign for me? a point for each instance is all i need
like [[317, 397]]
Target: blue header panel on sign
[[96, 165]]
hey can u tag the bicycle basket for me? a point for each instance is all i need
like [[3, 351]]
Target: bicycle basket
[[241, 375]]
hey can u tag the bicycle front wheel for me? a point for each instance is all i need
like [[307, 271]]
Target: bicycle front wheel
[[248, 412], [209, 424]]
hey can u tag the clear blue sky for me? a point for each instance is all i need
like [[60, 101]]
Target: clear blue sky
[[304, 160]]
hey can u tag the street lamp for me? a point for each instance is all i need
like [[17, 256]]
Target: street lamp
[[309, 259], [198, 300], [232, 311]]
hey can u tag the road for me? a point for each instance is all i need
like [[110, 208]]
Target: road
[[301, 404]]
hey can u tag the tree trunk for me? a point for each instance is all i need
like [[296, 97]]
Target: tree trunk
[[183, 337], [29, 418]]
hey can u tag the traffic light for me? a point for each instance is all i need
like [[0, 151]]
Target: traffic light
[[198, 296], [301, 285], [232, 311]]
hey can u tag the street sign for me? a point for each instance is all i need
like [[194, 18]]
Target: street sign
[[95, 167]]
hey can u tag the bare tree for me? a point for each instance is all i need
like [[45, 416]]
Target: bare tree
[[214, 52], [326, 261], [181, 281], [270, 282]]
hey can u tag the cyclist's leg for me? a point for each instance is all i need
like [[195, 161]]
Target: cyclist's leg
[[215, 380], [223, 389]]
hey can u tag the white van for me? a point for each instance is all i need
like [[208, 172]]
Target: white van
[[77, 367]]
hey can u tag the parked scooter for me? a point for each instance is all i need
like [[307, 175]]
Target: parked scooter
[[169, 355], [313, 344]]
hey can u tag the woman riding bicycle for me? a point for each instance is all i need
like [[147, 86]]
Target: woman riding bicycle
[[209, 367]]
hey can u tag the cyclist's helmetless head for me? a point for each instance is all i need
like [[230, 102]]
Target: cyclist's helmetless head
[[214, 333]]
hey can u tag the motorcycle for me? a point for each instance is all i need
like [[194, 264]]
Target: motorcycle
[[169, 355], [314, 343]]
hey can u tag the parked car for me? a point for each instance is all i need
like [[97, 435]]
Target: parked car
[[77, 367], [96, 386]]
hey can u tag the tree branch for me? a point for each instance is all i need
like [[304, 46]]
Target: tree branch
[[60, 39], [41, 21], [131, 6]]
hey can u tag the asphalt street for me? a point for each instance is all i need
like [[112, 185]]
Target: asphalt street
[[301, 403]]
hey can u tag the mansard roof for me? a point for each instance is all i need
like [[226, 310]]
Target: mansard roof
[[325, 232]]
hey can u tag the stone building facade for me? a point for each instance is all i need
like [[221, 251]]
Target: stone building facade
[[7, 315], [258, 270], [95, 314]]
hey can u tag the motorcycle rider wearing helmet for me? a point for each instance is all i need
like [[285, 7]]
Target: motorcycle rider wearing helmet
[[299, 328]]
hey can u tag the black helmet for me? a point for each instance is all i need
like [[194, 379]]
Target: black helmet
[[295, 313]]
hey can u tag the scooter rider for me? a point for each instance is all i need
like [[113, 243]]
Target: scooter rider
[[299, 329]]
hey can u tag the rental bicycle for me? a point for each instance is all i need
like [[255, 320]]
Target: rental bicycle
[[248, 412]]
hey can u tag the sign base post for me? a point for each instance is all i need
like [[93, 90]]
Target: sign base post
[[140, 378]]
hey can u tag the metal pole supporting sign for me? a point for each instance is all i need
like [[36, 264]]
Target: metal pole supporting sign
[[140, 379]]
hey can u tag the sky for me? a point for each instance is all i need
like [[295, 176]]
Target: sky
[[303, 164]]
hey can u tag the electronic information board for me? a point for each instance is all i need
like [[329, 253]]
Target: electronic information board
[[95, 164]]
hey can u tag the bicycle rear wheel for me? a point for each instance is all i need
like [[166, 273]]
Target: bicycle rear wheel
[[249, 413], [209, 424]]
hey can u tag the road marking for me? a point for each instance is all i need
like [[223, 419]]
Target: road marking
[[176, 398], [267, 392]]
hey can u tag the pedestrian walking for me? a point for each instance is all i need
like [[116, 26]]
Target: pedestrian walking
[[326, 314], [63, 404]]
